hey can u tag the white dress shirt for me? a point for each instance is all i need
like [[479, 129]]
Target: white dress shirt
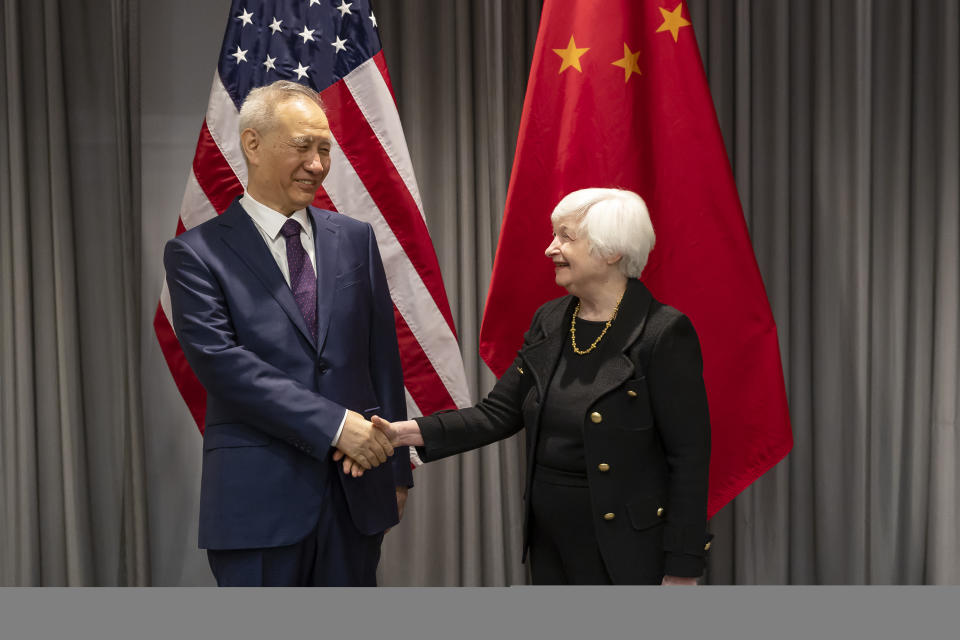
[[268, 223]]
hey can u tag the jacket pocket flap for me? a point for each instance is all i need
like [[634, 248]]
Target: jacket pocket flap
[[233, 435], [643, 513], [351, 271], [349, 277]]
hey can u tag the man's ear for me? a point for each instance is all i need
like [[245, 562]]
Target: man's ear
[[251, 143]]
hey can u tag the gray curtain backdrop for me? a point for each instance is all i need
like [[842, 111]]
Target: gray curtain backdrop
[[459, 70], [73, 499], [841, 122]]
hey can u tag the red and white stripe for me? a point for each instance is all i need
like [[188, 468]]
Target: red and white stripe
[[371, 179]]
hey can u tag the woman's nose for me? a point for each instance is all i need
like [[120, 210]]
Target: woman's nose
[[552, 247]]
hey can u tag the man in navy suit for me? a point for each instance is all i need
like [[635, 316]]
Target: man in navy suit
[[284, 315]]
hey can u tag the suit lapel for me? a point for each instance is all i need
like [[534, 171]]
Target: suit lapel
[[326, 239], [625, 331], [241, 235], [541, 358], [542, 355]]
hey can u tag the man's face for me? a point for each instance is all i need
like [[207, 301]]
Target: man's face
[[288, 162]]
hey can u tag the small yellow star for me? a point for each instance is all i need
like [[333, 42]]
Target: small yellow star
[[571, 56], [672, 21], [628, 62]]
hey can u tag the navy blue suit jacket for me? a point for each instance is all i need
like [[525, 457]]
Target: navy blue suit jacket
[[275, 398]]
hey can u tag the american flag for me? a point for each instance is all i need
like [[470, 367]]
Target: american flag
[[334, 47]]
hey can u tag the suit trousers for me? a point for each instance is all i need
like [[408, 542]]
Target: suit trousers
[[563, 545], [334, 554]]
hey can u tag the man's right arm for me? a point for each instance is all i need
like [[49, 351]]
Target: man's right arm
[[267, 397]]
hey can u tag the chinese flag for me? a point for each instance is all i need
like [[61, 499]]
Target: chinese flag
[[617, 97]]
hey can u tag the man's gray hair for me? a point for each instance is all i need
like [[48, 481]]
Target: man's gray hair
[[614, 221], [258, 109]]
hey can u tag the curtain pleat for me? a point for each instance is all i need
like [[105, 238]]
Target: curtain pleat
[[73, 491]]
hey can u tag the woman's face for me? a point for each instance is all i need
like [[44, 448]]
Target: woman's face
[[575, 268]]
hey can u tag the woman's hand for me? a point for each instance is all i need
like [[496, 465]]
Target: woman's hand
[[403, 433], [677, 580]]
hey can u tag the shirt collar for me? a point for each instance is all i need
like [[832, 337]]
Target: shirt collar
[[271, 220]]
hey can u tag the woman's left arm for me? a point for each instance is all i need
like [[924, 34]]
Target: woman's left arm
[[679, 403]]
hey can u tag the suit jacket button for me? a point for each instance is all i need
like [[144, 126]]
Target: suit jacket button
[[706, 547], [659, 512], [604, 467], [596, 418], [632, 393], [609, 516]]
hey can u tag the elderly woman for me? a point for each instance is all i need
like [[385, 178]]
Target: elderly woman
[[609, 386]]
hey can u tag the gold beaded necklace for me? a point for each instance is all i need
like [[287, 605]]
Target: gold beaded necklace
[[573, 328]]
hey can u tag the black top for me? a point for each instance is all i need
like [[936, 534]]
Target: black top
[[654, 438], [569, 395]]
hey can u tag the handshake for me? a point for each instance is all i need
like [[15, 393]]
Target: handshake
[[365, 444]]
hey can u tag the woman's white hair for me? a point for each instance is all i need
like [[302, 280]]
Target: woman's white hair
[[257, 110], [614, 221]]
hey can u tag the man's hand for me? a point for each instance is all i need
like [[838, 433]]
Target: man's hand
[[677, 580], [350, 466], [401, 501], [368, 447], [405, 432]]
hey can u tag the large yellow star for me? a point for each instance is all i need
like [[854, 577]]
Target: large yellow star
[[672, 21], [628, 62], [571, 56]]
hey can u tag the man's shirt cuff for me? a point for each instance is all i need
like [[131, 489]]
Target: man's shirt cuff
[[336, 438]]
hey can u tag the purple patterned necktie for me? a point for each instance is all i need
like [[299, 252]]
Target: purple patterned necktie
[[303, 280]]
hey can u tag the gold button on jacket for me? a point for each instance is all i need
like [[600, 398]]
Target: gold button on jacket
[[632, 393], [609, 516], [596, 417], [603, 466]]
